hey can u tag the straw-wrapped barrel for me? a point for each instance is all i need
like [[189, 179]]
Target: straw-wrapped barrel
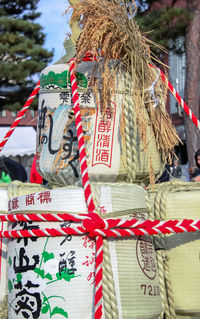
[[176, 201], [113, 144], [55, 276]]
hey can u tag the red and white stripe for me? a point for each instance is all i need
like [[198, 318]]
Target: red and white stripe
[[86, 185], [20, 115], [80, 136], [94, 226], [179, 99]]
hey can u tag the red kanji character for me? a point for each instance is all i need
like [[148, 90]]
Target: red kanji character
[[98, 154], [93, 259], [104, 155], [108, 126], [30, 199], [92, 244], [102, 127], [106, 140], [86, 263], [99, 140], [85, 241], [15, 203], [92, 274], [44, 197]]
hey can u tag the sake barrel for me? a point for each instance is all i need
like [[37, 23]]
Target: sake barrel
[[7, 191], [179, 200], [3, 242], [55, 276], [106, 145]]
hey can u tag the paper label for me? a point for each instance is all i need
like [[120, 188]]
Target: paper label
[[50, 277]]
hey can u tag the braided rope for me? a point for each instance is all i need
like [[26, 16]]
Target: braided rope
[[109, 294], [130, 131], [81, 142], [86, 185], [160, 261], [94, 226], [20, 115], [176, 186], [160, 212], [4, 309], [181, 102], [159, 256]]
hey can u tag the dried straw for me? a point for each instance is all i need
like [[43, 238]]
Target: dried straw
[[109, 30]]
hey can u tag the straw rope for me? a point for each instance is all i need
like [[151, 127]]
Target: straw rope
[[4, 309], [130, 132], [160, 212], [109, 293], [159, 256]]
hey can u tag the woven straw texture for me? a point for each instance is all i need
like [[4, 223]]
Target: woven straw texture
[[178, 200]]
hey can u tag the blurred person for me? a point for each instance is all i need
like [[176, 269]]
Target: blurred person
[[195, 172], [4, 174], [165, 175], [176, 171], [15, 170]]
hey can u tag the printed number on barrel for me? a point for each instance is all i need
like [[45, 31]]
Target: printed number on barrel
[[150, 290]]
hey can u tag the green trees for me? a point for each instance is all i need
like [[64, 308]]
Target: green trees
[[21, 52]]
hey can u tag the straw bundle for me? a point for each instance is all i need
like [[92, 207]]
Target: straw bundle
[[110, 31]]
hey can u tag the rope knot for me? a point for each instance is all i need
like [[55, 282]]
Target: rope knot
[[94, 222]]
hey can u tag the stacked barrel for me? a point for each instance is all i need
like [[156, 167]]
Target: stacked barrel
[[56, 275], [178, 254]]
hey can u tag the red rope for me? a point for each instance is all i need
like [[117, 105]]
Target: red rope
[[93, 226], [20, 115], [86, 185], [181, 102]]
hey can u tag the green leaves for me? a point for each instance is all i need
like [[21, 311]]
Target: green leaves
[[47, 256], [42, 274], [64, 275], [45, 308], [56, 310], [10, 286], [60, 311]]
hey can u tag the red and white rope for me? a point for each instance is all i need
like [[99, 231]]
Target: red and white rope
[[20, 115], [86, 185], [80, 136], [179, 99], [94, 226]]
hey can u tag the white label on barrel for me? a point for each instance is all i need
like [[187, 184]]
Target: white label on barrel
[[50, 277], [104, 136]]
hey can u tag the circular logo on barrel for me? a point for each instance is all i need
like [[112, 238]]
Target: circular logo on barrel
[[146, 256]]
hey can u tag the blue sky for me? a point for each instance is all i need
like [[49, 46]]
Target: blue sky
[[55, 25]]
